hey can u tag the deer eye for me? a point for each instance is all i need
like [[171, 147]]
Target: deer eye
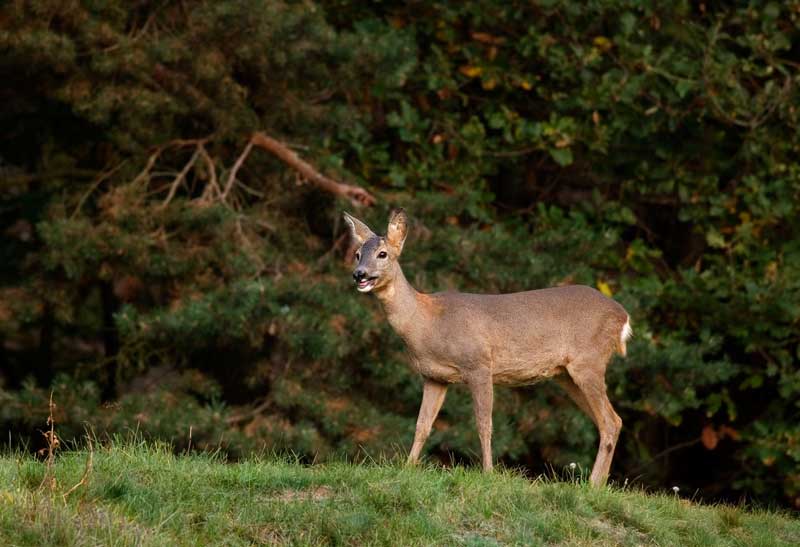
[[358, 256], [382, 254]]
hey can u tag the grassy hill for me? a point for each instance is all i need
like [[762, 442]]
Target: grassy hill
[[142, 495]]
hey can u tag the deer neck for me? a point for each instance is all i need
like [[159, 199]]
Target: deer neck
[[400, 302]]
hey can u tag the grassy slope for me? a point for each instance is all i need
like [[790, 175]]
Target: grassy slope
[[138, 495]]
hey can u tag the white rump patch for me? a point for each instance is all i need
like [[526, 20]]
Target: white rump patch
[[627, 331], [624, 336]]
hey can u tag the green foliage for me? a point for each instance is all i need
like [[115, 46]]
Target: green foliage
[[159, 275]]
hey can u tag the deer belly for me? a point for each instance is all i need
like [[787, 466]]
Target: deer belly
[[444, 373], [518, 371]]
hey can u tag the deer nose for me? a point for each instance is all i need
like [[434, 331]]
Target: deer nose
[[359, 274]]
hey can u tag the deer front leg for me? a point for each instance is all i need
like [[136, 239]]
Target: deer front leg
[[482, 400], [432, 398]]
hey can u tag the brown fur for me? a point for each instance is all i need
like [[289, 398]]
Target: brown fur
[[429, 304], [566, 333]]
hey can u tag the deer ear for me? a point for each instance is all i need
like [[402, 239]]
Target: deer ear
[[397, 231], [359, 231]]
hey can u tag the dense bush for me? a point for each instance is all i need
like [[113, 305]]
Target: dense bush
[[159, 274]]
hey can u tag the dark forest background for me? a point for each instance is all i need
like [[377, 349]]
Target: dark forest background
[[165, 268]]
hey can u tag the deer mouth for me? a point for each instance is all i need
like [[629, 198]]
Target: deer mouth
[[366, 284]]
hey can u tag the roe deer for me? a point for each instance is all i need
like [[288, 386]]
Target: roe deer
[[565, 333]]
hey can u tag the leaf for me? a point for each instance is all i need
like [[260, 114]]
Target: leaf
[[628, 22], [754, 381], [603, 287], [602, 43], [562, 156], [563, 142], [715, 239], [497, 120], [709, 437], [683, 87], [727, 431], [486, 38], [470, 71]]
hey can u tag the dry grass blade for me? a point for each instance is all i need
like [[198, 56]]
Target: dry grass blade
[[87, 471], [53, 443]]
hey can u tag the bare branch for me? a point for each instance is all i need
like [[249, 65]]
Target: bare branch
[[181, 176], [97, 182], [177, 143], [357, 195], [151, 161], [238, 418], [235, 169], [213, 185]]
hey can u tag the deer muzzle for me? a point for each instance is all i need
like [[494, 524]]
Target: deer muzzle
[[364, 283]]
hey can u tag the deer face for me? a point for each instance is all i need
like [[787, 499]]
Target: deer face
[[376, 258], [373, 264]]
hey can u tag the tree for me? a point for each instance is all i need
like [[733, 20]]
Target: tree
[[155, 257]]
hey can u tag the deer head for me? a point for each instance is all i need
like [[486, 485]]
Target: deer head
[[376, 257]]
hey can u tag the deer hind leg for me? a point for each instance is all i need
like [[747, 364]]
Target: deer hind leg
[[482, 401], [432, 398], [589, 378], [574, 392]]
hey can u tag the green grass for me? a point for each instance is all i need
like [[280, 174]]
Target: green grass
[[142, 495]]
